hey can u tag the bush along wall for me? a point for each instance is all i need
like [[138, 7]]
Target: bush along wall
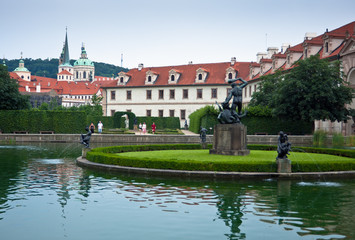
[[160, 122], [258, 120], [34, 121]]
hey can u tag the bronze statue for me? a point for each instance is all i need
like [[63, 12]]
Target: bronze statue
[[85, 138], [283, 146], [229, 115], [203, 132]]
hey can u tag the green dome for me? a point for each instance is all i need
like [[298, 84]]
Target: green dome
[[21, 69], [83, 62]]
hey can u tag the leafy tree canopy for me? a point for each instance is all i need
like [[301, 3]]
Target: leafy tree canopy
[[10, 97], [313, 90], [49, 67]]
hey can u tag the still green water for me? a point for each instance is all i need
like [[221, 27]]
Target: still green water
[[44, 195]]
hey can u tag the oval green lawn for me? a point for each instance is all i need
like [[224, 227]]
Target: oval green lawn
[[255, 155]]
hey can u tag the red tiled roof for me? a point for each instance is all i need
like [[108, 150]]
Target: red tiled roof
[[216, 74], [266, 60], [65, 72], [279, 55], [296, 48]]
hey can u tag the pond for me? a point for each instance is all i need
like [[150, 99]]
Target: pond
[[44, 195]]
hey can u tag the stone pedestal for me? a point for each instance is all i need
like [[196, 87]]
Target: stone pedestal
[[230, 139], [84, 151], [283, 165]]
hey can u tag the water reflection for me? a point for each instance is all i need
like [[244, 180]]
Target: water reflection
[[47, 174]]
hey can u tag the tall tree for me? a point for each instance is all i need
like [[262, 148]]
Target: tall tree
[[10, 97], [313, 90]]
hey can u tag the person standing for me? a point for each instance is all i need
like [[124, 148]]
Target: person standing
[[92, 127], [99, 127], [153, 128], [144, 128], [140, 128]]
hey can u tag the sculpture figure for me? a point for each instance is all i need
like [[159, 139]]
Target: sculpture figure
[[85, 138], [203, 132], [233, 114], [283, 146]]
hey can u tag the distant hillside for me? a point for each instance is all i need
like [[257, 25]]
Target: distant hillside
[[49, 68]]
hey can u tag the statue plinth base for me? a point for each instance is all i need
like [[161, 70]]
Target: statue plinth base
[[283, 165], [230, 139], [84, 151]]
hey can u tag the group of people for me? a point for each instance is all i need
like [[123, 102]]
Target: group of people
[[100, 126], [143, 128]]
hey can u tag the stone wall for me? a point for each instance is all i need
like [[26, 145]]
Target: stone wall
[[127, 139]]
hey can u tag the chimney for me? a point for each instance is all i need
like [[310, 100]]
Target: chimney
[[233, 60], [140, 66], [260, 55], [271, 51], [38, 88], [284, 47], [190, 62], [310, 35]]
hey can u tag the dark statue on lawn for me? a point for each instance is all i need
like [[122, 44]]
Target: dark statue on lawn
[[85, 138], [233, 114], [283, 146]]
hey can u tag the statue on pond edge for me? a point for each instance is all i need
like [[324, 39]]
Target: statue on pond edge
[[233, 114], [283, 146], [85, 138]]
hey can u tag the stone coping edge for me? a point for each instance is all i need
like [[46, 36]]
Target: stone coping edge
[[215, 175]]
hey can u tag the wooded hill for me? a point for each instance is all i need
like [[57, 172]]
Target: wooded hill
[[49, 68]]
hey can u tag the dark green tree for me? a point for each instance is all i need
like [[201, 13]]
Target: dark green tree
[[266, 90], [10, 97], [313, 90]]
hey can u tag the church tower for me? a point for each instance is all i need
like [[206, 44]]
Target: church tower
[[21, 71], [65, 69], [84, 68]]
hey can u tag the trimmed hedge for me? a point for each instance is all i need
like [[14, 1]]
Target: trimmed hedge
[[160, 122], [118, 120], [107, 155], [34, 121], [106, 121]]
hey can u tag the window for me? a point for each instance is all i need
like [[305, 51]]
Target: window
[[326, 47], [121, 80], [172, 93], [149, 113], [149, 78], [149, 94], [161, 94], [113, 95], [129, 94], [172, 78], [182, 114], [200, 76], [161, 113], [128, 110], [249, 91], [185, 93], [84, 74], [171, 113], [113, 112], [199, 93], [230, 75], [214, 93]]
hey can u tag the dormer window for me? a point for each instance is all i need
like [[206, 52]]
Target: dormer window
[[231, 73], [201, 75], [174, 76], [150, 77], [123, 78], [326, 47]]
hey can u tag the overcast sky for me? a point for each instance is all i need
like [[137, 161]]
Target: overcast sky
[[163, 32]]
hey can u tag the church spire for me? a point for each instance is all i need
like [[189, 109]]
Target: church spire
[[66, 59]]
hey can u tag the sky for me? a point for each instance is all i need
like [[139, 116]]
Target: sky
[[163, 32]]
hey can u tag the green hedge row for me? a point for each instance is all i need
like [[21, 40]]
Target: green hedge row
[[107, 155], [106, 121], [160, 122], [36, 121], [207, 117]]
